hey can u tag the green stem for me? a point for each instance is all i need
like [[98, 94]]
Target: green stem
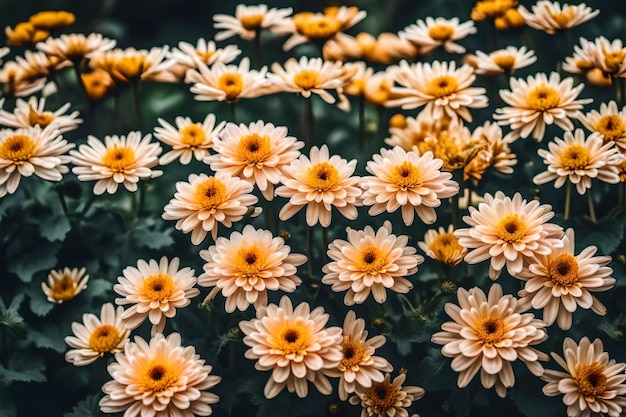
[[568, 198], [134, 86], [309, 251], [87, 205], [361, 122], [63, 203], [232, 114], [324, 243], [308, 122], [257, 49], [269, 215], [592, 210]]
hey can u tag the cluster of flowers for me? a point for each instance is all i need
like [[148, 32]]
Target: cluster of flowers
[[488, 332]]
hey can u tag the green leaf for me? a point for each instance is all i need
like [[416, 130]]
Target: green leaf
[[55, 227], [52, 337], [29, 263], [151, 239], [98, 287], [23, 367], [10, 316], [86, 408], [605, 234], [39, 304]]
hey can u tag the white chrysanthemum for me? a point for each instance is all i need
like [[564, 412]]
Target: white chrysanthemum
[[155, 291], [64, 284], [432, 33], [31, 150], [187, 139], [551, 16], [504, 60], [444, 89], [610, 122], [295, 345], [508, 232], [443, 246], [248, 264], [387, 398], [17, 82], [97, 336], [119, 160], [189, 55], [257, 153], [33, 113], [579, 159], [132, 65], [248, 20], [537, 102], [159, 378], [74, 47], [408, 181]]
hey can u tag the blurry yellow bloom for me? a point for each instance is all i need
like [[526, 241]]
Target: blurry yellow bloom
[[511, 19], [65, 284], [491, 9], [25, 33], [49, 20], [97, 83]]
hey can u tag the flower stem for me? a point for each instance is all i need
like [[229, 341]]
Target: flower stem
[[232, 114], [269, 215], [592, 210], [134, 86], [308, 122], [361, 122], [257, 49], [324, 243], [568, 199], [309, 251]]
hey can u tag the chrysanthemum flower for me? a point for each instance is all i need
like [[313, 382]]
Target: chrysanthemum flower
[[159, 378], [561, 281], [97, 83], [610, 122], [248, 20], [385, 49], [295, 345], [25, 34], [551, 16], [444, 89], [359, 368], [492, 151], [257, 153], [97, 336], [592, 384], [432, 33], [408, 181], [607, 57], [370, 261], [17, 82], [187, 139], [227, 82], [36, 64], [537, 102], [415, 130], [509, 232], [308, 76], [50, 20], [320, 183], [378, 88], [488, 333], [155, 291], [248, 264], [504, 60], [32, 113], [203, 202], [387, 398], [491, 9], [132, 65], [31, 150], [65, 284], [579, 160], [443, 246], [119, 160], [75, 47], [187, 55]]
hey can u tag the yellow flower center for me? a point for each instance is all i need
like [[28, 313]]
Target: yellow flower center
[[543, 97], [564, 270], [506, 62], [252, 21], [119, 158], [371, 260], [41, 119], [130, 67], [249, 262], [63, 289], [378, 94], [306, 79], [205, 56], [591, 379], [254, 149], [613, 60], [511, 228], [353, 354], [322, 176], [490, 329], [317, 27], [158, 286], [564, 17], [193, 135], [446, 248], [406, 175], [611, 126], [17, 148], [441, 33], [231, 83], [210, 193], [382, 396], [293, 339], [157, 376], [75, 49], [104, 338], [442, 86], [575, 157]]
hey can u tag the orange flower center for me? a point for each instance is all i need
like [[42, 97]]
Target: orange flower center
[[406, 175], [193, 135], [613, 60], [119, 158], [231, 83], [317, 27], [249, 262], [205, 56], [254, 149], [293, 339], [506, 62], [442, 86], [104, 338], [611, 126], [353, 355], [252, 21], [575, 157], [17, 148], [63, 289], [543, 98], [371, 260], [158, 286], [564, 17], [591, 379], [157, 376], [441, 32], [130, 67], [382, 396], [511, 228], [210, 193], [306, 79], [490, 329], [322, 177], [378, 94], [41, 119], [564, 270], [76, 48], [446, 249]]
